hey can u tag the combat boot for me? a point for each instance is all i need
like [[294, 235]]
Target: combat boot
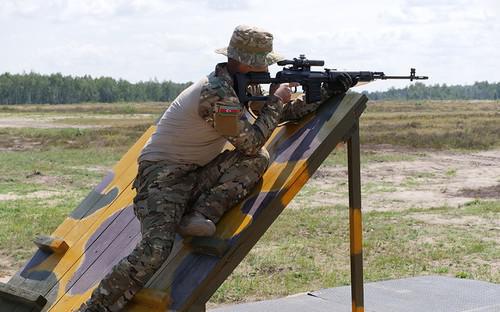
[[196, 224]]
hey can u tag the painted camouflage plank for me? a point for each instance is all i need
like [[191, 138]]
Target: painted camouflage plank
[[113, 232], [45, 269], [185, 273]]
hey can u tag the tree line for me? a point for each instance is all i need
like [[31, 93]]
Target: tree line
[[34, 88], [478, 91]]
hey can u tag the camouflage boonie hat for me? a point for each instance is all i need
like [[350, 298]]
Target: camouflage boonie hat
[[252, 46]]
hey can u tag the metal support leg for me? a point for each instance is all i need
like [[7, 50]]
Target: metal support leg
[[355, 222]]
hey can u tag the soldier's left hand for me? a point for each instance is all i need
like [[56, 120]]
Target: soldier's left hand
[[341, 84]]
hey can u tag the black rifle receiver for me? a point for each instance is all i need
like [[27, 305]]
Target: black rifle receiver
[[311, 81]]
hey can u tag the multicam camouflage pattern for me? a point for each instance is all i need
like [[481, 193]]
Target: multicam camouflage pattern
[[227, 180], [252, 46], [165, 192]]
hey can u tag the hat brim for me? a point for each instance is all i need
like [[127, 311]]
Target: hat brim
[[252, 59]]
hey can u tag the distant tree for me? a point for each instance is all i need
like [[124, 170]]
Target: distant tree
[[482, 90], [57, 89]]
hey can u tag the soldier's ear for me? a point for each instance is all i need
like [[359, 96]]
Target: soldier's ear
[[232, 65]]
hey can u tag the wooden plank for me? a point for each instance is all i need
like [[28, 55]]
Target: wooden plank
[[51, 244], [19, 299], [150, 300], [60, 265], [355, 222], [210, 246], [100, 248]]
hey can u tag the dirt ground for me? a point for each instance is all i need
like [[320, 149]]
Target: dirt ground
[[43, 121], [40, 123], [6, 269], [430, 179]]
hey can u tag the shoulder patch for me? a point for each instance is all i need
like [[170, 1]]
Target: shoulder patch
[[227, 117], [225, 109]]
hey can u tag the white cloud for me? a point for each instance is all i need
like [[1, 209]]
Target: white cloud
[[231, 5], [452, 41]]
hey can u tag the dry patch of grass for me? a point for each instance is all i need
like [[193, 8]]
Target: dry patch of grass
[[74, 138], [6, 268], [94, 108], [433, 124], [105, 121]]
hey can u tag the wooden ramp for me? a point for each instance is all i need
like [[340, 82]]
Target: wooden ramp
[[102, 229]]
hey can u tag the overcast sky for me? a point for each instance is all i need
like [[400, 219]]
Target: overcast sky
[[454, 42]]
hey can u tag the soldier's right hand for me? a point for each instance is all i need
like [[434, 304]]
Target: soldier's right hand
[[284, 91]]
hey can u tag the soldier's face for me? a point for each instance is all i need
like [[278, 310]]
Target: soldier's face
[[244, 68]]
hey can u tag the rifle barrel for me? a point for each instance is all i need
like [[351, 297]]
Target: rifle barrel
[[405, 77]]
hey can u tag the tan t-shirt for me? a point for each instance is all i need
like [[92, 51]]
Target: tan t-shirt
[[182, 136]]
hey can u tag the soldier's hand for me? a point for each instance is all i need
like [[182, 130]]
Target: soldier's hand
[[341, 84], [284, 91], [273, 87]]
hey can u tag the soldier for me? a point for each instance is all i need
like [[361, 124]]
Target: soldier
[[186, 180]]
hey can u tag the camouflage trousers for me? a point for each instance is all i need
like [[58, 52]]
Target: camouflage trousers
[[165, 192]]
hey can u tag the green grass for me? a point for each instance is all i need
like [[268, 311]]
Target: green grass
[[22, 220], [57, 161], [70, 138], [308, 249], [451, 172], [66, 174], [378, 187], [433, 124], [297, 252]]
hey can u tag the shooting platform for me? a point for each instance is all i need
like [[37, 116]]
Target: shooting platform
[[103, 229], [414, 294]]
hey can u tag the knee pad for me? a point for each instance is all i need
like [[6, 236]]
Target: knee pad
[[160, 250]]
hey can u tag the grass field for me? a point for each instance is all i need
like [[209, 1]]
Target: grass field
[[52, 155]]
